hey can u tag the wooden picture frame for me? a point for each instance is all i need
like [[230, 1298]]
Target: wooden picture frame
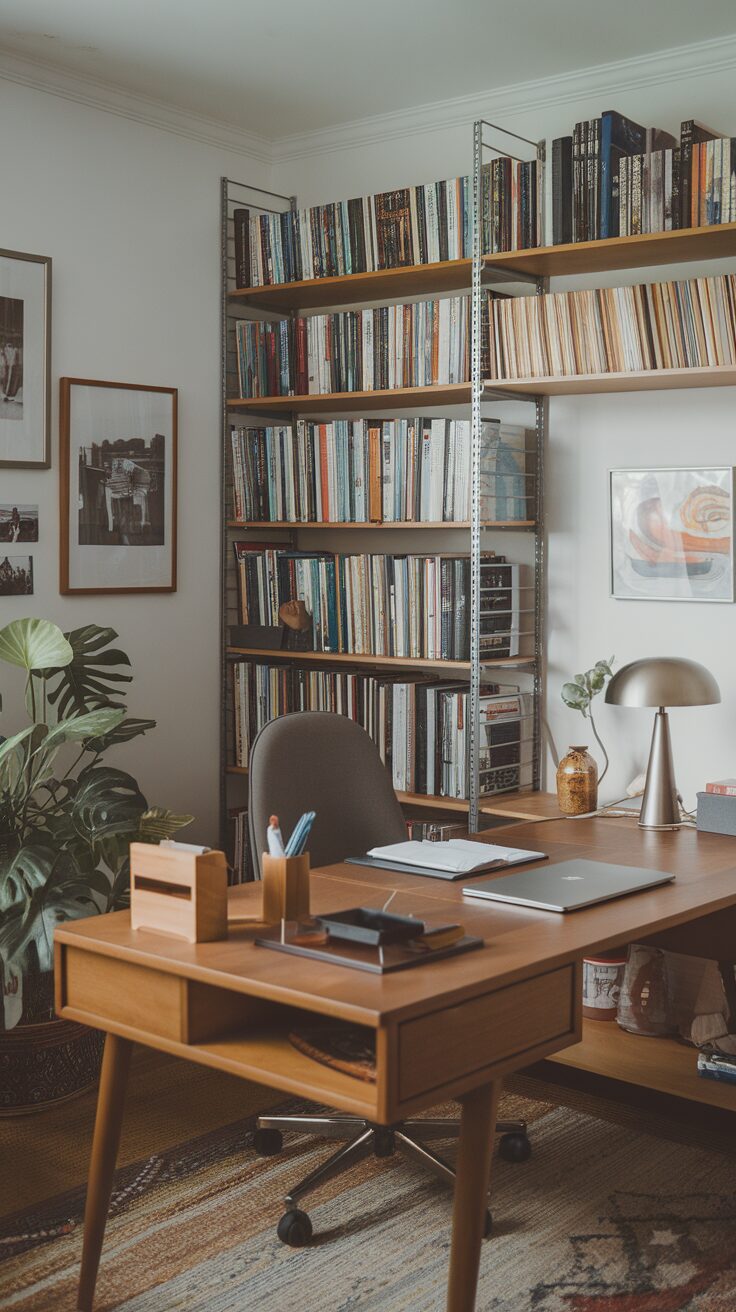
[[118, 487], [25, 360]]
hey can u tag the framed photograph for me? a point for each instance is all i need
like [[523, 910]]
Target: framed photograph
[[118, 487], [25, 360], [672, 534], [16, 575], [18, 523]]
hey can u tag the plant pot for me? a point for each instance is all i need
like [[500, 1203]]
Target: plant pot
[[47, 1062]]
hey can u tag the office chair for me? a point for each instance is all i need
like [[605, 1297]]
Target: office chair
[[322, 761]]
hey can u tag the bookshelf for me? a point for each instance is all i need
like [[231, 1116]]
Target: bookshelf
[[528, 270]]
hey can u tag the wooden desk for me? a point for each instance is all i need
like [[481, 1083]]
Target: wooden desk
[[451, 1029]]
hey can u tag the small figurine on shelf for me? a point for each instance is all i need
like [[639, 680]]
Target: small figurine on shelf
[[297, 624]]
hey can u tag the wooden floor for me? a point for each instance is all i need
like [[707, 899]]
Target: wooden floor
[[169, 1102]]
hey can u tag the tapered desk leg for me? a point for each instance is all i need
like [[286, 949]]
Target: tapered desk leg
[[477, 1127], [110, 1103]]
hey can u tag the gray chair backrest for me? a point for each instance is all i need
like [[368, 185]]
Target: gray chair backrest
[[321, 761]]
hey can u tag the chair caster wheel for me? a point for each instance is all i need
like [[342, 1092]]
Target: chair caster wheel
[[488, 1225], [268, 1143], [294, 1229], [515, 1147]]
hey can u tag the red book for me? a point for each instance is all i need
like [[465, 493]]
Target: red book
[[724, 787]]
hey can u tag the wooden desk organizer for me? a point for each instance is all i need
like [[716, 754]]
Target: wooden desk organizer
[[285, 887], [179, 893]]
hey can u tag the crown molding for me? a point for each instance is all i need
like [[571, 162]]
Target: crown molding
[[56, 81], [522, 97]]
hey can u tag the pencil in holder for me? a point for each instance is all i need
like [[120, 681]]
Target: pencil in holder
[[285, 887]]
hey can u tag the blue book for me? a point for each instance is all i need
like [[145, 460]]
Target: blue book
[[619, 136]]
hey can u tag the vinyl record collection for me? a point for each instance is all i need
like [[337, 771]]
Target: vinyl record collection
[[420, 727], [416, 345], [409, 606], [379, 471], [666, 325]]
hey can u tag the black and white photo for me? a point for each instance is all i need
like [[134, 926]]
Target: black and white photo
[[118, 487], [25, 359], [18, 523], [16, 576]]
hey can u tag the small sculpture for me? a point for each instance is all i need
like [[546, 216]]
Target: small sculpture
[[298, 625]]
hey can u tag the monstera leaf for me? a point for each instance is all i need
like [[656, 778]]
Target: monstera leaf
[[157, 823], [28, 870], [122, 733], [108, 803], [91, 678], [53, 891], [34, 645]]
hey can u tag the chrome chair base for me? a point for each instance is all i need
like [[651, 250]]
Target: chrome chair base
[[362, 1137]]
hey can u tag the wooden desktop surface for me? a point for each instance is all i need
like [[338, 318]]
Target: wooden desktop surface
[[452, 1028]]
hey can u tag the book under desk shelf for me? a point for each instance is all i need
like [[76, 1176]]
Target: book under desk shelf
[[397, 662], [660, 1064]]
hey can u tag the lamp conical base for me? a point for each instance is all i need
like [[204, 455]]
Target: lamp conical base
[[660, 808]]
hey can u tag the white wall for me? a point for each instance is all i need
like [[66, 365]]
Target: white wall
[[130, 216], [587, 435]]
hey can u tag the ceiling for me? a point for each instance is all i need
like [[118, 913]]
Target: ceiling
[[295, 66]]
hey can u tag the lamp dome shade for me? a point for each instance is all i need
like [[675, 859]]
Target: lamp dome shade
[[663, 681]]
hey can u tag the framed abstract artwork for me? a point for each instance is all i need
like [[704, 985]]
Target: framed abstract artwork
[[118, 452], [25, 360], [672, 534]]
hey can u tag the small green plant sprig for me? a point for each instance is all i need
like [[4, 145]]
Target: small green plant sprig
[[579, 693]]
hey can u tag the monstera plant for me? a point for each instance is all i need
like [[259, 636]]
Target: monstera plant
[[67, 818]]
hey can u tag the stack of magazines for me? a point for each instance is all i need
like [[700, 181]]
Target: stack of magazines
[[716, 1065], [665, 325]]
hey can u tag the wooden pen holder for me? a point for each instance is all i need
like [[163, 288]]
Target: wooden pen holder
[[285, 887], [179, 893]]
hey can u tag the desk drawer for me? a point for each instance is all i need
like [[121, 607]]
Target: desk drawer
[[487, 1031], [147, 1000]]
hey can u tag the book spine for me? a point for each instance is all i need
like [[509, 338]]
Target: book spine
[[241, 226]]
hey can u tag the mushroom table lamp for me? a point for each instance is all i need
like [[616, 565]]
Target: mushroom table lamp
[[662, 681]]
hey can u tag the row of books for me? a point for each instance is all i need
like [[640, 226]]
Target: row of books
[[614, 177], [408, 606], [414, 345], [422, 224], [419, 727], [667, 325], [379, 471]]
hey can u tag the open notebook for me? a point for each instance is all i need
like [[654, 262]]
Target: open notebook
[[455, 859]]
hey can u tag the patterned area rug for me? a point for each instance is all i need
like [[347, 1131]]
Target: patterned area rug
[[604, 1218]]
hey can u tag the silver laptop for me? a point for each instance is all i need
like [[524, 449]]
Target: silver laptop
[[567, 886]]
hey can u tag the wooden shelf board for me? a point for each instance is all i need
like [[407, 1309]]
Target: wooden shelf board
[[660, 1064], [236, 769], [335, 402], [516, 806], [265, 525], [647, 250], [384, 284], [346, 658], [650, 380]]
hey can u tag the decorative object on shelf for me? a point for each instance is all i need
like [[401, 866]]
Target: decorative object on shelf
[[672, 534], [662, 681], [178, 889], [577, 782], [16, 576], [578, 694], [25, 360], [645, 1003], [602, 979], [118, 449], [64, 840], [18, 523], [297, 624]]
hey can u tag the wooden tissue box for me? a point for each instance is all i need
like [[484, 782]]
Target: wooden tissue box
[[179, 891]]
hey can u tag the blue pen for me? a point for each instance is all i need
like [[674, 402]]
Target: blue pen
[[298, 840]]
